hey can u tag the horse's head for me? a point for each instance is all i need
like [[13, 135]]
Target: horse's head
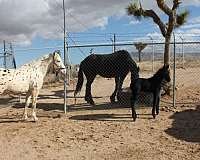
[[165, 71], [58, 63]]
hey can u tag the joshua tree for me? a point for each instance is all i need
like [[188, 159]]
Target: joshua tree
[[140, 46], [174, 19]]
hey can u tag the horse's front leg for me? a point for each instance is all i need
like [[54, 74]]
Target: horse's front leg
[[35, 93], [27, 102], [133, 100]]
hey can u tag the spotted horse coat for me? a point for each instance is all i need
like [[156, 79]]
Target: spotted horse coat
[[29, 79]]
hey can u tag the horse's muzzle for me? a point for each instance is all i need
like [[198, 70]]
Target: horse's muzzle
[[63, 70]]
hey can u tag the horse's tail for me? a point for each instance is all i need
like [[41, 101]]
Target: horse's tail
[[80, 81]]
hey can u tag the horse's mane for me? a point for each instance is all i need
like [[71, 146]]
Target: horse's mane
[[159, 73]]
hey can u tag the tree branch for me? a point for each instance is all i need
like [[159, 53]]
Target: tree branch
[[176, 4], [156, 19], [161, 4]]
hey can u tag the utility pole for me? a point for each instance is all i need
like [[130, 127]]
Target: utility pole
[[4, 50], [13, 57], [65, 60]]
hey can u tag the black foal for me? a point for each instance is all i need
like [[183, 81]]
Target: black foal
[[152, 85]]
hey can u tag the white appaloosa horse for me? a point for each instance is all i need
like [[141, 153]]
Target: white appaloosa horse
[[29, 79]]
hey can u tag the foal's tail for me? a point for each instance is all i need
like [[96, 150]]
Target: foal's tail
[[80, 81]]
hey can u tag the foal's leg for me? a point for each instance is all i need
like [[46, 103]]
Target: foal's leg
[[158, 102], [133, 100], [112, 97], [88, 95], [155, 98], [27, 102], [34, 102], [135, 90]]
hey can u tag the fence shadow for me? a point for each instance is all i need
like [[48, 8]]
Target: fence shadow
[[75, 107], [186, 125]]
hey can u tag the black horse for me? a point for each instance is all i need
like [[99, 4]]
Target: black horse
[[117, 65], [152, 85]]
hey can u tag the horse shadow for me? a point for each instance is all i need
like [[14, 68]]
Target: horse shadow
[[103, 117], [186, 125], [56, 94]]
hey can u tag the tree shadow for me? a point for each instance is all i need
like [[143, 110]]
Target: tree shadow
[[186, 125]]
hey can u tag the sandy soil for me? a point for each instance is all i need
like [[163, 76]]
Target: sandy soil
[[103, 131]]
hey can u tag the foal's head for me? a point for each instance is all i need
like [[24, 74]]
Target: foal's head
[[164, 73]]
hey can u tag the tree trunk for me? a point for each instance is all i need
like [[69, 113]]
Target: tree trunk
[[139, 56], [167, 85], [167, 49]]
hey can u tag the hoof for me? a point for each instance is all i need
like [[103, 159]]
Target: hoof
[[112, 100], [134, 117], [24, 118], [35, 119], [91, 102]]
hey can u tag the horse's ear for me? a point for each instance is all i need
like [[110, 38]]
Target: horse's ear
[[56, 52], [166, 66], [138, 69]]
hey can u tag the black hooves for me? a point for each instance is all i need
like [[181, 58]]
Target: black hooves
[[90, 101], [112, 99]]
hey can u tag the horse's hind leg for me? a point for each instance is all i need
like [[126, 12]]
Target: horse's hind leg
[[112, 97], [119, 89], [88, 95]]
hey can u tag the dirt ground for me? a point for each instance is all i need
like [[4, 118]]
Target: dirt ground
[[105, 131]]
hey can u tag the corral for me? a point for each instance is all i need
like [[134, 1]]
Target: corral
[[104, 131]]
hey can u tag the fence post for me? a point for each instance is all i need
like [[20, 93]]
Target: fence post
[[183, 56], [114, 42], [152, 53], [174, 73]]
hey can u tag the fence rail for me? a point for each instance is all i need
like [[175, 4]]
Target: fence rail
[[187, 59]]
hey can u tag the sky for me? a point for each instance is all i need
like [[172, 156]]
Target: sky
[[35, 27]]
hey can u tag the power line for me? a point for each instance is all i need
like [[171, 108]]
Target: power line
[[77, 47]]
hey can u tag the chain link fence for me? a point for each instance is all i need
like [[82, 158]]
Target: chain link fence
[[149, 58]]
